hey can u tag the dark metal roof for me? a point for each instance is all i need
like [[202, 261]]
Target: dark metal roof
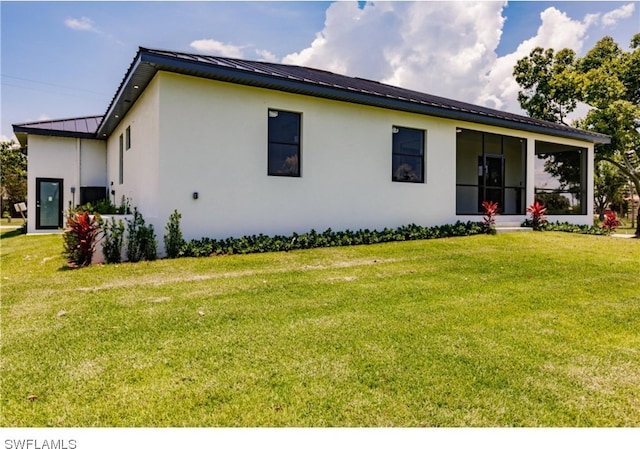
[[318, 83], [306, 81], [84, 127]]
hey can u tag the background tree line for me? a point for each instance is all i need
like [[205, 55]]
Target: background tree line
[[606, 78], [13, 176]]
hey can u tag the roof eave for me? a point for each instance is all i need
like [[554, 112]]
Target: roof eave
[[124, 98], [146, 64], [22, 131]]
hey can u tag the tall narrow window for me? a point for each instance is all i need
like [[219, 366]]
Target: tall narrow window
[[490, 167], [121, 161], [408, 155], [284, 143], [561, 178], [128, 137]]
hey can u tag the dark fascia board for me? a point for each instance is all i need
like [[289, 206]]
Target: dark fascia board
[[147, 63], [124, 98], [18, 129], [22, 130]]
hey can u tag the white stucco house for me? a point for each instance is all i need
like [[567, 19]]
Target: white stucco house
[[242, 147]]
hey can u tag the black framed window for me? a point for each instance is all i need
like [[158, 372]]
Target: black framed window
[[284, 143], [561, 178], [128, 137], [490, 167], [92, 195], [408, 155], [121, 160]]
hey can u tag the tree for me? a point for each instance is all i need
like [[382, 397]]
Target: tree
[[13, 175], [609, 188], [607, 78], [551, 89]]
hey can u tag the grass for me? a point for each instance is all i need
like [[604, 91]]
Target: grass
[[17, 222], [626, 229], [522, 329]]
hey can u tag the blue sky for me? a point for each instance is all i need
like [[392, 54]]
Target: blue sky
[[66, 59]]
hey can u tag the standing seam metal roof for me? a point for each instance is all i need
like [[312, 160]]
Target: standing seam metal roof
[[85, 127], [319, 83], [293, 79]]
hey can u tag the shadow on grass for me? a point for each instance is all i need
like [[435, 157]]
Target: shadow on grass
[[14, 233], [67, 267]]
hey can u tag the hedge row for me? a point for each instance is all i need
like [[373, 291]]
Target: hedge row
[[568, 227], [261, 243]]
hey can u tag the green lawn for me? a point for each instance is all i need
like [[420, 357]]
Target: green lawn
[[522, 329], [626, 229]]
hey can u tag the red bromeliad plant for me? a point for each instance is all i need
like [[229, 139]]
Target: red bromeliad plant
[[610, 222], [80, 239], [538, 217], [489, 216]]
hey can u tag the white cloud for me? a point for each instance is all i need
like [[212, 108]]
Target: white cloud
[[610, 18], [437, 47], [266, 56], [557, 30], [443, 48], [4, 138], [592, 19], [217, 47], [86, 24], [82, 24]]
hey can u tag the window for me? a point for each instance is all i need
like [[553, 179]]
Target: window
[[490, 167], [92, 194], [128, 137], [284, 143], [408, 155], [121, 161], [561, 178]]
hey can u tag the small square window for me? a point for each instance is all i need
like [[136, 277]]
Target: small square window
[[408, 155], [283, 143]]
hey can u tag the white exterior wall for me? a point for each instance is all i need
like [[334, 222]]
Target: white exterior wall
[[78, 162], [141, 176], [213, 139], [196, 135], [93, 163]]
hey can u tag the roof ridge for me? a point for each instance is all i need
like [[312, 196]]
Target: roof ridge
[[250, 61]]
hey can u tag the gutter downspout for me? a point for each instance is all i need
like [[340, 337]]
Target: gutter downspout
[[78, 170]]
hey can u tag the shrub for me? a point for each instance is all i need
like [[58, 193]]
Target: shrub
[[610, 222], [489, 217], [538, 217], [312, 239], [113, 237], [568, 227], [141, 239], [104, 207], [173, 240], [80, 238], [149, 244]]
